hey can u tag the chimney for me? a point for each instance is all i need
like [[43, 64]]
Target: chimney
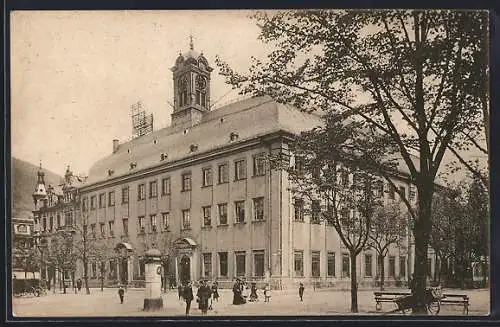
[[116, 145]]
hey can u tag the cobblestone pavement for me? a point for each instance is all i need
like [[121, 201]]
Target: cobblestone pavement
[[286, 302]]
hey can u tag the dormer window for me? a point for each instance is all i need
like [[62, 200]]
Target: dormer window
[[193, 148], [186, 131], [233, 136], [163, 156], [110, 172], [133, 165]]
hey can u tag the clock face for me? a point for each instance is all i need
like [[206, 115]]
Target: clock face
[[201, 82]]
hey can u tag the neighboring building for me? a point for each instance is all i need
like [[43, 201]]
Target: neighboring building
[[24, 259], [202, 193], [54, 212]]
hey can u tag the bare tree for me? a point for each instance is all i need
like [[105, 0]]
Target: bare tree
[[389, 226], [62, 255]]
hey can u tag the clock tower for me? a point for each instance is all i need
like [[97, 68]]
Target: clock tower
[[191, 88]]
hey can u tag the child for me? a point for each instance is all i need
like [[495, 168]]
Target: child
[[267, 293], [121, 293], [301, 291]]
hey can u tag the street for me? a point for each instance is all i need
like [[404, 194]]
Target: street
[[286, 303]]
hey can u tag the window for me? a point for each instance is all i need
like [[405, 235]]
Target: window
[[299, 164], [207, 176], [51, 223], [259, 165], [125, 226], [165, 186], [379, 185], [92, 230], [207, 265], [44, 223], [207, 218], [92, 202], [298, 206], [344, 177], [315, 212], [298, 263], [315, 263], [429, 267], [68, 218], [223, 264], [142, 267], [258, 208], [94, 269], [111, 225], [345, 265], [392, 192], [102, 200], [152, 221], [153, 189], [411, 193], [103, 230], [223, 173], [186, 182], [186, 220], [111, 199], [402, 192], [392, 266], [165, 220], [84, 204], [124, 195], [222, 213], [368, 265], [258, 263], [240, 211], [240, 263], [240, 169], [141, 224], [58, 219], [112, 269], [331, 264], [402, 266], [141, 192]]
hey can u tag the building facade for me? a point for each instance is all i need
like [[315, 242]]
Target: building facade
[[201, 191]]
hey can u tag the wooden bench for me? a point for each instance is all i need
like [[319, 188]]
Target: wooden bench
[[447, 299], [456, 299], [387, 297]]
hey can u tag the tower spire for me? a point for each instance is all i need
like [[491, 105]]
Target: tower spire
[[191, 46]]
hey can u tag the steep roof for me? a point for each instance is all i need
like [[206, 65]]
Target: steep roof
[[250, 118]]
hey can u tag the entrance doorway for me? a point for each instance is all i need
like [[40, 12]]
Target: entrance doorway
[[185, 269], [124, 271]]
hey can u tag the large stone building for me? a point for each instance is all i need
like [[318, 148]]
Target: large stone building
[[202, 193]]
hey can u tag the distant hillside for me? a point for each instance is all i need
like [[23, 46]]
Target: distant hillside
[[24, 178]]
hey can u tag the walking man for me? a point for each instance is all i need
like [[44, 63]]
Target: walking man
[[121, 293], [301, 291], [188, 296]]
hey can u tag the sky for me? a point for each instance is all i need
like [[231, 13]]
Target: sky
[[75, 75]]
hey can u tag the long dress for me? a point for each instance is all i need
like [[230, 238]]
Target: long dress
[[253, 294], [204, 293], [237, 296]]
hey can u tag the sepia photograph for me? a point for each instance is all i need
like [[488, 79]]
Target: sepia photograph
[[212, 163]]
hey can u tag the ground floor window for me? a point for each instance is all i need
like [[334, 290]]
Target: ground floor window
[[258, 263], [315, 263], [368, 265], [240, 263], [298, 263], [223, 264], [392, 266], [345, 265], [112, 269], [142, 268], [331, 264], [402, 266], [207, 264], [93, 270]]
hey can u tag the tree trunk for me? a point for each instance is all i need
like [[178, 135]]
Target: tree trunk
[[354, 284], [63, 282], [382, 271], [85, 275], [422, 232], [485, 273]]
